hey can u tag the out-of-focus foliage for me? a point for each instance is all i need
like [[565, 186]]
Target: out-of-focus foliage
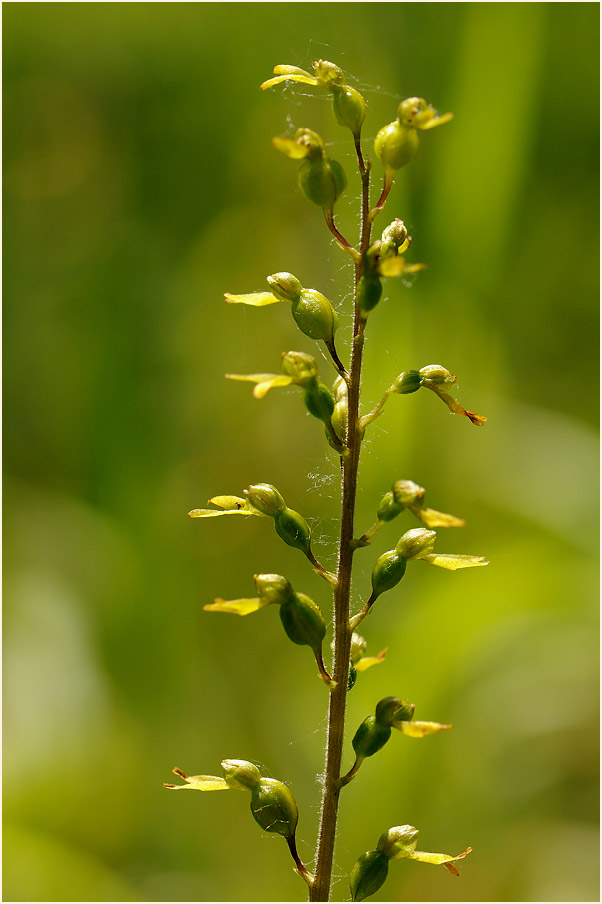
[[140, 185]]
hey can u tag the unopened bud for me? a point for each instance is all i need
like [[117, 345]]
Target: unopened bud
[[265, 498], [394, 236], [358, 647], [368, 875], [409, 110], [311, 141], [415, 113], [328, 74], [300, 366], [241, 774], [285, 286], [406, 492], [407, 382], [404, 712], [397, 839], [273, 587], [437, 375], [416, 543], [386, 710], [339, 390]]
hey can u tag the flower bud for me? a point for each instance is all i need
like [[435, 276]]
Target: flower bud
[[406, 492], [303, 621], [396, 145], [285, 286], [300, 366], [293, 529], [394, 237], [416, 543], [274, 588], [339, 390], [310, 141], [387, 572], [370, 737], [388, 508], [407, 382], [319, 401], [385, 711], [265, 498], [339, 415], [274, 807], [241, 774], [404, 712], [322, 180], [437, 375], [314, 315], [368, 875], [358, 647], [397, 839], [415, 113], [339, 419], [328, 74]]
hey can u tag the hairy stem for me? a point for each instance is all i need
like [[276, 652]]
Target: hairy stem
[[320, 889]]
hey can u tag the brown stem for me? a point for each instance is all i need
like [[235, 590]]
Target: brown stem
[[377, 410], [345, 779], [329, 217], [327, 575], [387, 185], [363, 613], [358, 149], [366, 538], [301, 869], [320, 889], [326, 678], [329, 343]]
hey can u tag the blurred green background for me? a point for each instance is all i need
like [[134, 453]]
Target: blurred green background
[[140, 185]]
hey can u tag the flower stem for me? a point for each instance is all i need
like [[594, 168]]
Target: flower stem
[[320, 889]]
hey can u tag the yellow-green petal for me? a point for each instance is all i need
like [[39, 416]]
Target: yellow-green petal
[[198, 782], [214, 513], [366, 662], [437, 121], [296, 150], [228, 505], [264, 382], [229, 502], [437, 859], [433, 518], [420, 729], [255, 299], [304, 79], [453, 563], [285, 69], [396, 266], [236, 607]]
